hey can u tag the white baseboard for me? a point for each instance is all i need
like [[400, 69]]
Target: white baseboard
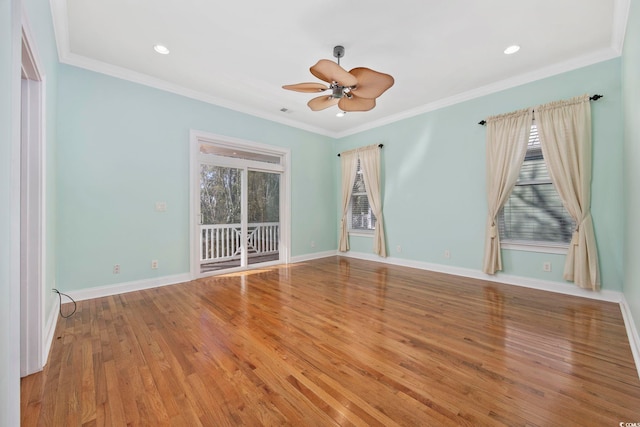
[[549, 286], [562, 288], [545, 285], [632, 332], [49, 332], [309, 257], [121, 288]]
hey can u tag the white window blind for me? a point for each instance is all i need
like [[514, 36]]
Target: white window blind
[[534, 212], [360, 214]]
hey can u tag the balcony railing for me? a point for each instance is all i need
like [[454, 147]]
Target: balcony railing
[[221, 242]]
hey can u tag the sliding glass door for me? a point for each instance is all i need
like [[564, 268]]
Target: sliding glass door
[[220, 228], [263, 238], [239, 204]]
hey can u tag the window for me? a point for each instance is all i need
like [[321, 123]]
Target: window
[[534, 213], [360, 214]]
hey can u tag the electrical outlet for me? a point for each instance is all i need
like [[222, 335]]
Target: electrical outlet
[[546, 266], [313, 244], [399, 249], [154, 264], [116, 269], [447, 253]]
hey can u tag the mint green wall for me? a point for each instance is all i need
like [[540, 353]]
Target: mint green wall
[[123, 146], [631, 90], [9, 285], [434, 174]]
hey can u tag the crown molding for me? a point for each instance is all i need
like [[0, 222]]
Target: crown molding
[[559, 68], [620, 20], [59, 15], [61, 28], [156, 83], [65, 56]]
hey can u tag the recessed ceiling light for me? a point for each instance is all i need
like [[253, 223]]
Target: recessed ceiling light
[[340, 114], [511, 49], [161, 49]]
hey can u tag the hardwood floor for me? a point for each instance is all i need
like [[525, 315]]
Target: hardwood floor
[[337, 341]]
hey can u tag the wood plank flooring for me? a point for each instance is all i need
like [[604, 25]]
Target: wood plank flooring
[[337, 341]]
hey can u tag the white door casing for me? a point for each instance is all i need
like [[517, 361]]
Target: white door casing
[[32, 210]]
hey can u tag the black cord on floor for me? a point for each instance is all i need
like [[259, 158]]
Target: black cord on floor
[[60, 294]]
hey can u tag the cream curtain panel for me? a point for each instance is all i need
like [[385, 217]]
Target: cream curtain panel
[[370, 164], [507, 139], [349, 163], [565, 137]]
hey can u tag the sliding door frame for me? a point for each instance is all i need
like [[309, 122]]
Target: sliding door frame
[[196, 139]]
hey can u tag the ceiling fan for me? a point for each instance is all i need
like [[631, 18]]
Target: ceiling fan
[[355, 90]]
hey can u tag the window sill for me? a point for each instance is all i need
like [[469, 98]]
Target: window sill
[[361, 233], [543, 247]]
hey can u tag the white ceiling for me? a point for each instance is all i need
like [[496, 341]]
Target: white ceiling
[[238, 54]]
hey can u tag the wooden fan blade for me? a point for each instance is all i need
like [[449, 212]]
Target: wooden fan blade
[[331, 72], [371, 84], [307, 87], [322, 102], [356, 103]]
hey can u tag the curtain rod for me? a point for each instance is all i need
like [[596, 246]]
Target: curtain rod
[[379, 145], [592, 98]]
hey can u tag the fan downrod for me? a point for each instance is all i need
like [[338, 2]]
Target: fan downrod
[[338, 52]]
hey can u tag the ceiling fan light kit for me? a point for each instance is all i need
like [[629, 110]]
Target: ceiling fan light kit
[[355, 90]]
